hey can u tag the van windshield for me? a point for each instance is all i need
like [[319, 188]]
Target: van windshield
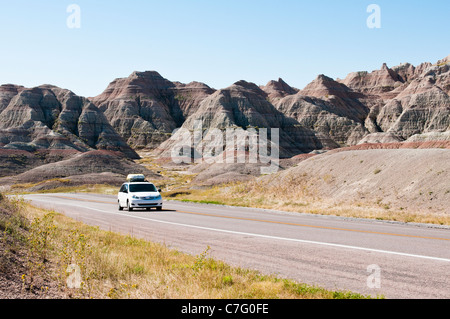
[[141, 188]]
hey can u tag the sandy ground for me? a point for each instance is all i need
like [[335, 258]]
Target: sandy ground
[[413, 179]]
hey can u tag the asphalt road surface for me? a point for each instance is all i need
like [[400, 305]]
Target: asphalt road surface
[[395, 260]]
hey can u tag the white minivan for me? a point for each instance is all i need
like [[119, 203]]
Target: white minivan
[[139, 195]]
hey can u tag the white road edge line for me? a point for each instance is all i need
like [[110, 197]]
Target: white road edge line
[[270, 237]]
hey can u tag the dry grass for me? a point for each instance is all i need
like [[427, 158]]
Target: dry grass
[[296, 196], [174, 177], [117, 266]]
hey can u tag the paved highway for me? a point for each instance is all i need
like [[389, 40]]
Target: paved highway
[[370, 257]]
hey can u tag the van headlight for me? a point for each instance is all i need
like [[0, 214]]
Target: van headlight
[[134, 197]]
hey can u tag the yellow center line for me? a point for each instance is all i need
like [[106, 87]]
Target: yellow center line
[[82, 200], [277, 222], [314, 226]]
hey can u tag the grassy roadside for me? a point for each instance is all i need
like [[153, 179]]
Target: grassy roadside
[[257, 194], [59, 252]]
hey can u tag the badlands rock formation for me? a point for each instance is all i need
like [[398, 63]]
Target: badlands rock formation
[[332, 110], [385, 105], [87, 168], [87, 164], [404, 104], [277, 90], [50, 118], [145, 108], [244, 106], [47, 124], [405, 100]]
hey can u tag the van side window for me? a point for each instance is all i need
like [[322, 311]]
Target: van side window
[[123, 188]]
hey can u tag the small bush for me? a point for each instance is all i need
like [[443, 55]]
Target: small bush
[[227, 280]]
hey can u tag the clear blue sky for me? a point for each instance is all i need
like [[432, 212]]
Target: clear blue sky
[[215, 42]]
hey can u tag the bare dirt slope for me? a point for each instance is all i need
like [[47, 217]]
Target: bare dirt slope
[[89, 168], [414, 180], [16, 257]]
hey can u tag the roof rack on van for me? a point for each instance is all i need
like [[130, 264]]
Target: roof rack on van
[[136, 178]]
